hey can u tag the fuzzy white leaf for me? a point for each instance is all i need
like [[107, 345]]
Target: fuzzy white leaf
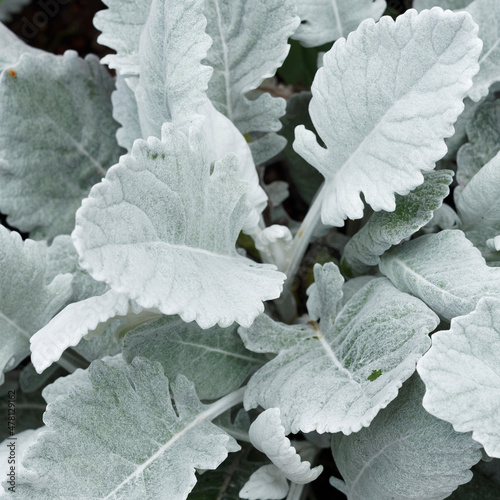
[[249, 44], [385, 229], [27, 303], [63, 105], [442, 218], [478, 205], [62, 258], [122, 24], [75, 321], [184, 348], [14, 448], [493, 243], [486, 13], [157, 462], [79, 379], [328, 20], [171, 47], [125, 112], [268, 436], [266, 483], [383, 103], [162, 229], [405, 454], [454, 142], [222, 138], [257, 338], [483, 132], [444, 270], [325, 293], [267, 147], [274, 244], [337, 377], [462, 374]]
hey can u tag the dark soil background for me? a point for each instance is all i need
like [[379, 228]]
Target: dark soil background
[[60, 25]]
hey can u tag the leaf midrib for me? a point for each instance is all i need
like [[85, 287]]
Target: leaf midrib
[[15, 325], [209, 414]]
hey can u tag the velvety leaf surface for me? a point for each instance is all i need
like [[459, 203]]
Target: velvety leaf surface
[[350, 287], [162, 228], [442, 218], [79, 379], [406, 453], [249, 44], [486, 13], [461, 374], [121, 25], [328, 20], [258, 339], [483, 132], [267, 482], [61, 105], [62, 258], [171, 47], [222, 138], [126, 113], [325, 293], [26, 302], [22, 441], [75, 321], [184, 348], [478, 205], [459, 138], [104, 344], [141, 446], [445, 270], [383, 102], [268, 436], [385, 229], [339, 376]]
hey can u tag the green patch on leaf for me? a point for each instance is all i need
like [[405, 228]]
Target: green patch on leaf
[[375, 374]]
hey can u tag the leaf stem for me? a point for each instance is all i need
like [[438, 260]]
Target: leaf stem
[[237, 434], [302, 239], [226, 403], [295, 491], [71, 361]]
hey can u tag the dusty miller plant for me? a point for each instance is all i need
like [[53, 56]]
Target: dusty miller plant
[[161, 271]]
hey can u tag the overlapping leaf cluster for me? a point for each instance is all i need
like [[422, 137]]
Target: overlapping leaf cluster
[[136, 191]]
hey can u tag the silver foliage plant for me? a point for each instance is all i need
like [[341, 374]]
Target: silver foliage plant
[[152, 313]]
